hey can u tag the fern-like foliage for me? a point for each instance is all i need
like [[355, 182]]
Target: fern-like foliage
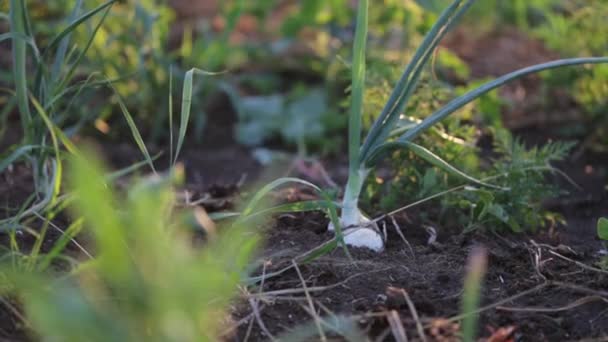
[[526, 172]]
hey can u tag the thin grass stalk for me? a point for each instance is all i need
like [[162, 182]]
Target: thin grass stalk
[[187, 107]]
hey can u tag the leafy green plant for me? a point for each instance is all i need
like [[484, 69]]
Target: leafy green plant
[[523, 171], [363, 157], [148, 281], [297, 117], [45, 87]]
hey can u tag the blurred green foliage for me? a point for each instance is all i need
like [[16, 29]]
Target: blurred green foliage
[[148, 281], [602, 233], [572, 28], [578, 28]]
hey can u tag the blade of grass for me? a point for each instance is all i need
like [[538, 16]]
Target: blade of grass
[[477, 267], [187, 107], [461, 101], [257, 198], [134, 131]]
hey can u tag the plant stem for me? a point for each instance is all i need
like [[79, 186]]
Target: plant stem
[[350, 210], [351, 215]]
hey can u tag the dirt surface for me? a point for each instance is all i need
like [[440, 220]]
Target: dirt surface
[[432, 276], [542, 287], [555, 295]]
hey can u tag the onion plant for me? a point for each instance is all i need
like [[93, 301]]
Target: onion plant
[[45, 88], [384, 135]]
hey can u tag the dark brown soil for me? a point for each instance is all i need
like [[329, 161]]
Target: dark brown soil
[[567, 307], [433, 276]]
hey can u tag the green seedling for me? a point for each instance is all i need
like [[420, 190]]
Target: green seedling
[[477, 266], [359, 230], [602, 233], [602, 228]]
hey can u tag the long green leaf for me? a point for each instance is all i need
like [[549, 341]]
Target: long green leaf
[[58, 174], [134, 130], [463, 100], [431, 158], [187, 107], [382, 127], [74, 24], [255, 201], [357, 87]]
